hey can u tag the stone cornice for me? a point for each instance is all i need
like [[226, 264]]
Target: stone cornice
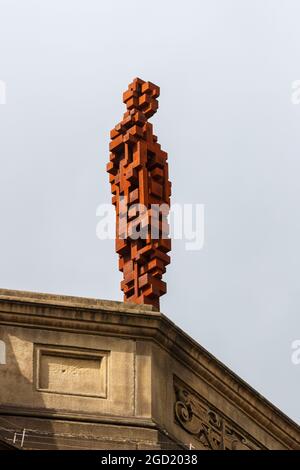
[[103, 317]]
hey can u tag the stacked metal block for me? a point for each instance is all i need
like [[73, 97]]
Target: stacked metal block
[[138, 173]]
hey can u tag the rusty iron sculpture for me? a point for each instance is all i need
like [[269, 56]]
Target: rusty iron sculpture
[[141, 190]]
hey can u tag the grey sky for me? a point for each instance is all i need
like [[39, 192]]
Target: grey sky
[[225, 70]]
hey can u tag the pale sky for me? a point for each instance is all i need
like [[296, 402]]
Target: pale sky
[[225, 69]]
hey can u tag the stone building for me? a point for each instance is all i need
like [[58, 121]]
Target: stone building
[[93, 374], [4, 445]]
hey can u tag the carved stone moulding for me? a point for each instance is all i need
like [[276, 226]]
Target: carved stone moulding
[[207, 425]]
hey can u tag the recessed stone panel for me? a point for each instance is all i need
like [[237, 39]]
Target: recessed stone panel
[[72, 371]]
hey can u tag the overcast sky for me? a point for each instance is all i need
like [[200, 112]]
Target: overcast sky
[[225, 69]]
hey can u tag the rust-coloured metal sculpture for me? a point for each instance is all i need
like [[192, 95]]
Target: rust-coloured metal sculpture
[[138, 173]]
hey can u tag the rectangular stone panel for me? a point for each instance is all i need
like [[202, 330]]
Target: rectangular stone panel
[[71, 371]]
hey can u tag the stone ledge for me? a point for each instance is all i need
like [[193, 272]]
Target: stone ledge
[[72, 301]]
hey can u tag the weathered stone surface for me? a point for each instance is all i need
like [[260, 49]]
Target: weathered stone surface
[[85, 373], [4, 445]]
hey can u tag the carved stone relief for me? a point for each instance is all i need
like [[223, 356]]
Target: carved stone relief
[[208, 426]]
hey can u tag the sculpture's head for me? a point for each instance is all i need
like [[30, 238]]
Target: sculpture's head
[[142, 96]]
